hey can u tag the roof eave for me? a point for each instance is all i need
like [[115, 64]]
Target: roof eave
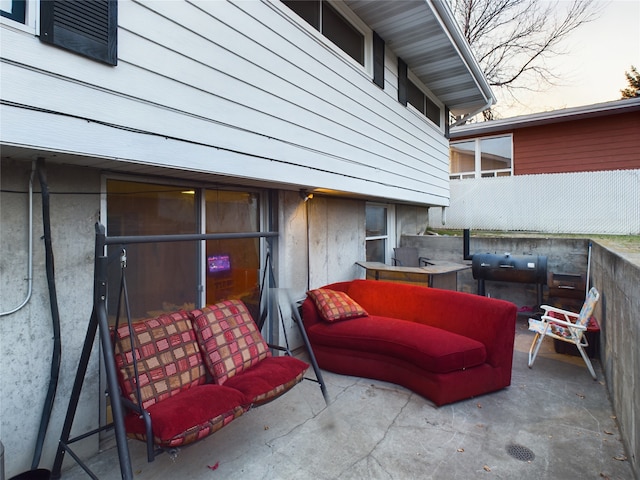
[[425, 34], [545, 118]]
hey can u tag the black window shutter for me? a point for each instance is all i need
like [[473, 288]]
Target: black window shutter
[[402, 82], [447, 113], [87, 27], [378, 60]]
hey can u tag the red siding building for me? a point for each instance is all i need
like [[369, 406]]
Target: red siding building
[[605, 136]]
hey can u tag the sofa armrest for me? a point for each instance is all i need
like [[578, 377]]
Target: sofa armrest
[[488, 320]]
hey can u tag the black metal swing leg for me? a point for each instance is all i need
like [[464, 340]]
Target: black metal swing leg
[[98, 321], [312, 357]]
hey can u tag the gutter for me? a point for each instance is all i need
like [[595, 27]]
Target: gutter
[[443, 12]]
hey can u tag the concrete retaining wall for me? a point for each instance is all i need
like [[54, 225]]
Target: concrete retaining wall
[[618, 281], [563, 256]]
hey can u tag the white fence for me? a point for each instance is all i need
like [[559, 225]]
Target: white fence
[[605, 202]]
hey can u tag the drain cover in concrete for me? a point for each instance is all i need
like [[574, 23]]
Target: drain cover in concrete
[[520, 453]]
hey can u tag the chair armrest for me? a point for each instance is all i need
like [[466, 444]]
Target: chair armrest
[[557, 321], [549, 308], [424, 261]]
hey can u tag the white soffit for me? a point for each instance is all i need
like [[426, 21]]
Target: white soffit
[[426, 36]]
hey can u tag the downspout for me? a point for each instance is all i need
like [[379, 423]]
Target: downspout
[[30, 247], [464, 119], [55, 315]]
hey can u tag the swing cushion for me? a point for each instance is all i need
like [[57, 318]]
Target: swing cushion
[[168, 358], [190, 416], [230, 339], [268, 379]]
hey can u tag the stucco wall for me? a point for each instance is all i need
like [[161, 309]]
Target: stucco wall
[[26, 336]]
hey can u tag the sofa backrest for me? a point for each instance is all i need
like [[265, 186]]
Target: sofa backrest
[[391, 299], [168, 358]]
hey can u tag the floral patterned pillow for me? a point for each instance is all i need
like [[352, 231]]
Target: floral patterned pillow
[[335, 306]]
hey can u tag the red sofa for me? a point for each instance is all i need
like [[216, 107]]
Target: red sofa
[[444, 345]]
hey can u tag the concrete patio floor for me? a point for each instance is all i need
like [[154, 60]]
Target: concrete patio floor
[[556, 420]]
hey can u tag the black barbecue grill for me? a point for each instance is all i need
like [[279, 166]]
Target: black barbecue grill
[[509, 268]]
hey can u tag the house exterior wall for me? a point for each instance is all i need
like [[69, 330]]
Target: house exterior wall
[[26, 336], [208, 92], [602, 143], [238, 89], [585, 142], [319, 242]]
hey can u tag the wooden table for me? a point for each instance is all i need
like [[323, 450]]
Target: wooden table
[[440, 274]]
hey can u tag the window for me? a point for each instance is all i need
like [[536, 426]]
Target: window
[[89, 28], [410, 93], [333, 25], [168, 276], [380, 232], [233, 265], [481, 157], [426, 106], [14, 10]]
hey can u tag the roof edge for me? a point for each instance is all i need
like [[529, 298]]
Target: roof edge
[[544, 118], [445, 14]]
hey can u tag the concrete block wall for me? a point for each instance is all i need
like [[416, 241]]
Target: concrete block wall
[[618, 280], [563, 256]]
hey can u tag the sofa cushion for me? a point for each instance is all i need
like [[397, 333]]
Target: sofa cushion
[[229, 338], [334, 305], [427, 347], [190, 416], [168, 358], [268, 379]]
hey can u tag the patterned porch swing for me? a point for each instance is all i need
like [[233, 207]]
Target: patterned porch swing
[[180, 376]]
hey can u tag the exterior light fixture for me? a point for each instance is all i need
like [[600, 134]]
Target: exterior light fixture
[[306, 196]]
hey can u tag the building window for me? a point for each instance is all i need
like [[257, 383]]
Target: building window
[[167, 276], [380, 232], [14, 9], [332, 24], [481, 157], [419, 100], [89, 28], [409, 93]]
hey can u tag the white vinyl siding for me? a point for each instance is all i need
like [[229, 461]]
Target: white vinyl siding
[[237, 89]]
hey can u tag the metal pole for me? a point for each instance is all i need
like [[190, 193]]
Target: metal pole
[[127, 240], [110, 368]]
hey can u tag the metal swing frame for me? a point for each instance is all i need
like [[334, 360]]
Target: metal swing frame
[[98, 323]]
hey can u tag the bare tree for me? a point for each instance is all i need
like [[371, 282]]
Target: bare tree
[[512, 39]]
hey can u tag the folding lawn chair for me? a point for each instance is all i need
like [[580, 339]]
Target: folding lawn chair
[[566, 326]]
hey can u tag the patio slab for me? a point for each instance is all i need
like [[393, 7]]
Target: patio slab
[[553, 422]]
